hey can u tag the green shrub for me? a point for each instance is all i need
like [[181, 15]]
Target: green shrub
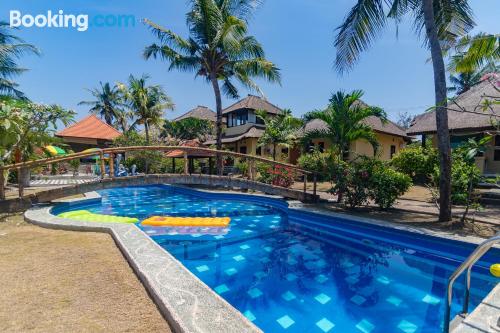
[[242, 166], [416, 162], [386, 185], [367, 178], [461, 172], [315, 161]]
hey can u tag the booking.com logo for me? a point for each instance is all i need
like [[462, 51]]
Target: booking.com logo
[[60, 20]]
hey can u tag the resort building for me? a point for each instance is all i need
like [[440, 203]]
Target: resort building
[[468, 118], [199, 112], [90, 132], [244, 128], [391, 139]]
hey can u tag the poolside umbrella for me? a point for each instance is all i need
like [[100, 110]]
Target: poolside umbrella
[[54, 150]]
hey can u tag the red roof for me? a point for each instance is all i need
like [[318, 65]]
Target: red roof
[[192, 153], [90, 127]]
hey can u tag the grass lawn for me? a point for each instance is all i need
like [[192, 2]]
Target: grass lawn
[[65, 281]]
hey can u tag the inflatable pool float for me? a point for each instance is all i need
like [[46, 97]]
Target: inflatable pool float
[[171, 221], [85, 215]]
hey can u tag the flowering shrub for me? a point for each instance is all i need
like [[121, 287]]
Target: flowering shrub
[[278, 175]]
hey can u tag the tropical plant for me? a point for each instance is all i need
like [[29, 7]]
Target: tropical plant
[[473, 54], [315, 161], [11, 49], [417, 162], [344, 122], [281, 129], [442, 21], [462, 82], [386, 185], [108, 104], [219, 49], [146, 103], [187, 129]]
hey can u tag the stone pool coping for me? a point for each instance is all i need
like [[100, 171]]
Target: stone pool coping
[[187, 303]]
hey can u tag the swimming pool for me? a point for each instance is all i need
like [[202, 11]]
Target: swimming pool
[[290, 270]]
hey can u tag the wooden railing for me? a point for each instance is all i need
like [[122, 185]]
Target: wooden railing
[[251, 173]]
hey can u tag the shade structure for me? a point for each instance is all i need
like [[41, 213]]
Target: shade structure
[[54, 151]]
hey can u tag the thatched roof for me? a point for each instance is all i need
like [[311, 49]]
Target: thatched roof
[[253, 132], [375, 123], [464, 112], [254, 103], [200, 112]]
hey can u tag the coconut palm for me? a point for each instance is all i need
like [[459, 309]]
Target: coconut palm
[[442, 21], [479, 53], [344, 120], [108, 104], [219, 49], [11, 49], [146, 102], [281, 129]]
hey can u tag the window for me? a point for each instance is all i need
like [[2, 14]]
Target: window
[[393, 150], [237, 118], [258, 120], [496, 153], [259, 151], [497, 141], [284, 151], [321, 146], [243, 150]]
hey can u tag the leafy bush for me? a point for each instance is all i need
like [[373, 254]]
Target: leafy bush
[[416, 162], [367, 178], [387, 185], [315, 161], [461, 172], [352, 180], [278, 176], [242, 166]]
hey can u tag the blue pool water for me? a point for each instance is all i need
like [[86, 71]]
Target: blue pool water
[[292, 271]]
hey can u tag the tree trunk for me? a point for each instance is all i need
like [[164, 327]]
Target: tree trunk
[[274, 152], [218, 104], [443, 134]]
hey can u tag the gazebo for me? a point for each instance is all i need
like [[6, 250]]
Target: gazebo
[[191, 155]]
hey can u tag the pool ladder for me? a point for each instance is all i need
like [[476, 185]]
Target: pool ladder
[[467, 264]]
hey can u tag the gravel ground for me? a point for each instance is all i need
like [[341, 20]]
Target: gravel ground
[[64, 281]]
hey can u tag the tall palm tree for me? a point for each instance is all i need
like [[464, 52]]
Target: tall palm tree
[[11, 49], [281, 129], [344, 122], [442, 21], [147, 103], [108, 104], [219, 49]]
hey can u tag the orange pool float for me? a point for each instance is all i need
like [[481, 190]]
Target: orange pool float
[[172, 221]]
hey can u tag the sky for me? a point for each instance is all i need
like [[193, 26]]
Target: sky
[[297, 35]]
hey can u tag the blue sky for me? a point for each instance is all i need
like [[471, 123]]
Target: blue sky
[[296, 34]]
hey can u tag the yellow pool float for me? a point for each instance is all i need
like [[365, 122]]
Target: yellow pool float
[[85, 215], [172, 221]]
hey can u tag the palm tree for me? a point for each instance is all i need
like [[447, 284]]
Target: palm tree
[[344, 120], [462, 82], [442, 21], [11, 49], [108, 105], [475, 53], [219, 49], [146, 103], [281, 129]]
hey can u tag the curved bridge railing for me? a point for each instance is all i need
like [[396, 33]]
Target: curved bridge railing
[[250, 175]]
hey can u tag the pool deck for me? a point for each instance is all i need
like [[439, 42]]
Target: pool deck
[[189, 304]]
